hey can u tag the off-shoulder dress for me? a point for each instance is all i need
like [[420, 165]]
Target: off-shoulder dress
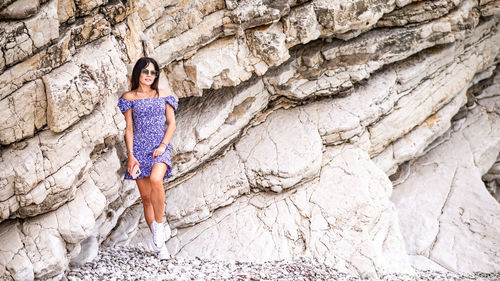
[[149, 129]]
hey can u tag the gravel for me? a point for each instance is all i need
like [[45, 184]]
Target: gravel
[[120, 263]]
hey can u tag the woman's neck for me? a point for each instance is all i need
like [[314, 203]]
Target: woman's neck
[[144, 89]]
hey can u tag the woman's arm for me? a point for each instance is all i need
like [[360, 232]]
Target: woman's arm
[[169, 113], [169, 133], [129, 139], [129, 131]]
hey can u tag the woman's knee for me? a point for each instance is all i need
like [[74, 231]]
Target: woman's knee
[[146, 199], [156, 182]]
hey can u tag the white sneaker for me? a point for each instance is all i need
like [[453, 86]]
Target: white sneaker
[[158, 234], [154, 232], [163, 253]]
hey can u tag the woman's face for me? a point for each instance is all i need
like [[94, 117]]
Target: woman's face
[[149, 78]]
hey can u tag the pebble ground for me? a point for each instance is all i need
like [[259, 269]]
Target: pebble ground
[[135, 264]]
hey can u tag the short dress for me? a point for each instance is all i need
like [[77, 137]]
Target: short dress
[[149, 129]]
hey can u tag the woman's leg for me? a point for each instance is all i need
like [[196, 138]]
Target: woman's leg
[[157, 191], [145, 190]]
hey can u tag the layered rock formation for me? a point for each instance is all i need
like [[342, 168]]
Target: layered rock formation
[[359, 133]]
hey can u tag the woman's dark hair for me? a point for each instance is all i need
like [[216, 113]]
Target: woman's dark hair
[[136, 73]]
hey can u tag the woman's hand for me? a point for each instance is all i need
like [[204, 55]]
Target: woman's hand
[[132, 161], [159, 151]]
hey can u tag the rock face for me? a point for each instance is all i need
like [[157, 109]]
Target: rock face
[[443, 206], [364, 134], [342, 218]]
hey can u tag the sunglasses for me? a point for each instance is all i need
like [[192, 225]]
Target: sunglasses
[[149, 72]]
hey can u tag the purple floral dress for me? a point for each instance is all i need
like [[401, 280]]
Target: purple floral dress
[[149, 129]]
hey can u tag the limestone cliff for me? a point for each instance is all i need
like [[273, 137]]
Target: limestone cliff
[[363, 133]]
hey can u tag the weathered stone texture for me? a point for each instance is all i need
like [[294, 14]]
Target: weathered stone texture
[[35, 66], [459, 212], [213, 121], [20, 9], [42, 173], [94, 73], [85, 7], [420, 11], [24, 112], [21, 39], [278, 157], [311, 221], [66, 10], [44, 27], [326, 68]]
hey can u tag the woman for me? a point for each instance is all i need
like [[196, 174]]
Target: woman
[[147, 109]]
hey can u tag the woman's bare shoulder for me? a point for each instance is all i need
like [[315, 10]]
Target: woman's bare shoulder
[[128, 95]]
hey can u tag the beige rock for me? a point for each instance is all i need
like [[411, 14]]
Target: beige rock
[[85, 7], [2, 61], [322, 219], [484, 149], [90, 29], [492, 180], [104, 173], [65, 10], [362, 58], [205, 125], [42, 173], [95, 72], [89, 249], [454, 226], [149, 12], [14, 262], [442, 92], [59, 149], [338, 17], [301, 26], [179, 18], [76, 219], [216, 185], [49, 260], [24, 112], [128, 228], [131, 33], [278, 157], [20, 9], [417, 140], [225, 62], [422, 263], [31, 197], [171, 25], [125, 196], [39, 251], [184, 45], [44, 27], [417, 12], [329, 68], [346, 118], [117, 11], [489, 8], [268, 43], [424, 137], [251, 13], [19, 45], [23, 170], [218, 64], [34, 67]]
